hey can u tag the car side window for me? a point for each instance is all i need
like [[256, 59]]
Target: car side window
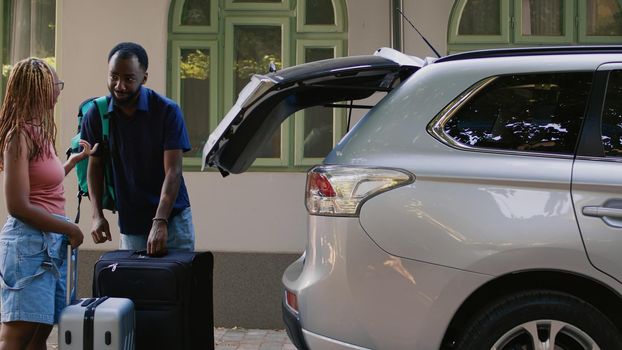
[[612, 116], [531, 113]]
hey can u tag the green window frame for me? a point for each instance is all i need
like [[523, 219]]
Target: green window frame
[[283, 23], [574, 26], [568, 23], [299, 119], [594, 39], [178, 27], [455, 38], [340, 15], [282, 5], [175, 82], [219, 39]]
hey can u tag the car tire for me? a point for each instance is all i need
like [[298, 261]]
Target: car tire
[[529, 320]]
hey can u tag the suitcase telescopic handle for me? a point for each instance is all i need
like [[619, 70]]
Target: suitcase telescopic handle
[[72, 274]]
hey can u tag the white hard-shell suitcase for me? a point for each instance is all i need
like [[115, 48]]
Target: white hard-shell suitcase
[[95, 323]]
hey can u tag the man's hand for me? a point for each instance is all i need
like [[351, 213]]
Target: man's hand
[[101, 230], [156, 243]]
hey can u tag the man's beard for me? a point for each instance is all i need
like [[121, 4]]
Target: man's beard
[[128, 100]]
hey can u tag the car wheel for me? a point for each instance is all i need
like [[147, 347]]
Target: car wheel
[[540, 320]]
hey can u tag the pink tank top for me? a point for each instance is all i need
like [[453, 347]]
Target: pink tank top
[[46, 183]]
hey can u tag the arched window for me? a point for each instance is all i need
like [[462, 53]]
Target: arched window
[[477, 24], [216, 45]]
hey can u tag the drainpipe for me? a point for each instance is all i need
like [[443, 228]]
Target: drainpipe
[[397, 25]]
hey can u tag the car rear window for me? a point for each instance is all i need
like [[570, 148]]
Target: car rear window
[[530, 113]]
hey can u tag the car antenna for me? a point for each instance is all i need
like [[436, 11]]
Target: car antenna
[[418, 32], [271, 67]]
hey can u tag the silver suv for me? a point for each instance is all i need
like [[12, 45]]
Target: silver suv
[[478, 205]]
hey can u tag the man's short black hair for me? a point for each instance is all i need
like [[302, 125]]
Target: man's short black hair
[[129, 50]]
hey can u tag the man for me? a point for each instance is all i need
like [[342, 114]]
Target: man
[[147, 139]]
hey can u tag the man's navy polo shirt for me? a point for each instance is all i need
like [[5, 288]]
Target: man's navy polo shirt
[[137, 145]]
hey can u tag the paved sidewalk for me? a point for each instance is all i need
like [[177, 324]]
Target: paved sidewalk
[[230, 339], [251, 339]]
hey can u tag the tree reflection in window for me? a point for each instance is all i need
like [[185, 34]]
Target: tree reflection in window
[[533, 113], [256, 47], [195, 95], [612, 116]]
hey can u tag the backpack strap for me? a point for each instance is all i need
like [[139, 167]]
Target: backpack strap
[[102, 107]]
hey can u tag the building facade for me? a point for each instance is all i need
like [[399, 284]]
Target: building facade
[[202, 52]]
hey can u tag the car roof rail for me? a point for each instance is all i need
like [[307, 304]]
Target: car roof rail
[[532, 51]]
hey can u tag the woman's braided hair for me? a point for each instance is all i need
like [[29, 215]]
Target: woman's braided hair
[[29, 100]]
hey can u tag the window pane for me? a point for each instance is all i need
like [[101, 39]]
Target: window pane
[[255, 48], [4, 55], [604, 18], [195, 96], [319, 12], [33, 29], [481, 17], [196, 13], [318, 125], [612, 116], [543, 17], [257, 1], [534, 113], [29, 30]]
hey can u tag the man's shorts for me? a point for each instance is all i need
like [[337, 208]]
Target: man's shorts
[[32, 273], [180, 234]]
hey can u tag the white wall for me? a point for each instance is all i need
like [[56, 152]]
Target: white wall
[[431, 17], [252, 212]]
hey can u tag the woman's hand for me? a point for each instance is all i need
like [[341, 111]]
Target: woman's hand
[[86, 151], [74, 158], [75, 236]]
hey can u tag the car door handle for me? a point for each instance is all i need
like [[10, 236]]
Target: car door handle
[[602, 212]]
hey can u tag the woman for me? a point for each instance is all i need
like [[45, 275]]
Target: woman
[[33, 240]]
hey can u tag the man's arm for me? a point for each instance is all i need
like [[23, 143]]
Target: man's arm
[[100, 229], [156, 244], [91, 131]]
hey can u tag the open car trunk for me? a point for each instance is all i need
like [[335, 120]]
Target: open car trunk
[[268, 100]]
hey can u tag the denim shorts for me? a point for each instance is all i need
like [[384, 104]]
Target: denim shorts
[[180, 234], [32, 273]]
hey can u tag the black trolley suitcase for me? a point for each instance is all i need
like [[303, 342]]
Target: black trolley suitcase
[[94, 323], [172, 295]]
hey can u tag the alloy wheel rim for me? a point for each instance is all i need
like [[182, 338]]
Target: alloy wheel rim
[[545, 335]]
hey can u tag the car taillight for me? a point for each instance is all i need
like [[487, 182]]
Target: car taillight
[[339, 191], [291, 299]]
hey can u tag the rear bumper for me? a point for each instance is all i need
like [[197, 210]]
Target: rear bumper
[[305, 340], [353, 295], [294, 330]]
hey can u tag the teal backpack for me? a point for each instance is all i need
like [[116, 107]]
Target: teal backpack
[[108, 195]]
